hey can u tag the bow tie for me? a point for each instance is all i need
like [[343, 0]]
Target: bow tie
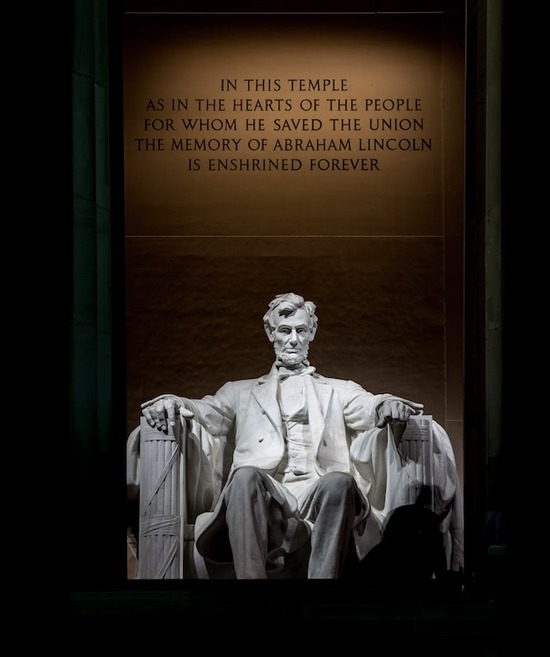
[[285, 372]]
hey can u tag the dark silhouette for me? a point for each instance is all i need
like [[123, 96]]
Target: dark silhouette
[[411, 551]]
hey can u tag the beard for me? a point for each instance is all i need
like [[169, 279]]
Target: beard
[[291, 359]]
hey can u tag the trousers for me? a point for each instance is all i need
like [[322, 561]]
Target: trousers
[[329, 515]]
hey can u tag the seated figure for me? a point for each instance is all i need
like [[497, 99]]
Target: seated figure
[[290, 473]]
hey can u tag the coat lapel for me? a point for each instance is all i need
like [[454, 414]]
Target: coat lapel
[[319, 396], [265, 393]]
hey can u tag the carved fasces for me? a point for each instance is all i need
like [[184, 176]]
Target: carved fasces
[[162, 502]]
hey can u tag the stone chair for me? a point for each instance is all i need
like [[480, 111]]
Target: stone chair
[[176, 478]]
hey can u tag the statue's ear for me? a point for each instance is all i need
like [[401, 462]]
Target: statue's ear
[[269, 332], [313, 332]]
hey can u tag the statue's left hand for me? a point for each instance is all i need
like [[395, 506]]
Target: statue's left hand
[[395, 410]]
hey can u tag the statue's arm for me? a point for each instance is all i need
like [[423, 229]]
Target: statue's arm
[[216, 413], [364, 410]]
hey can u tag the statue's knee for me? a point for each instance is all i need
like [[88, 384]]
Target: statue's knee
[[246, 476], [338, 482], [247, 485]]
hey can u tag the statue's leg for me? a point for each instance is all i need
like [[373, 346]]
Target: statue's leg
[[333, 510], [246, 501]]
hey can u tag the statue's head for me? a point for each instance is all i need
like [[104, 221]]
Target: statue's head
[[290, 324]]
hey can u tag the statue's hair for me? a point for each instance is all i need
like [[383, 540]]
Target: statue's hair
[[287, 304]]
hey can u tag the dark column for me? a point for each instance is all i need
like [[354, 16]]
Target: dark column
[[97, 474], [486, 509]]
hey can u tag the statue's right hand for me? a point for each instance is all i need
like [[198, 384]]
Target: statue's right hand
[[161, 411]]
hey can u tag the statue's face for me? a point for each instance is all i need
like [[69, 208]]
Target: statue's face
[[291, 338]]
